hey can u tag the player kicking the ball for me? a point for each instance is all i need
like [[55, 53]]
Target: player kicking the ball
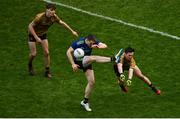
[[87, 44], [127, 62]]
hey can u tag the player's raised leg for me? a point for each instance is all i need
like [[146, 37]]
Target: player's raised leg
[[139, 74], [45, 47], [87, 60], [32, 55]]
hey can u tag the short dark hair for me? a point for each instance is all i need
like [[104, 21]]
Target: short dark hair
[[50, 5], [91, 37], [129, 49]]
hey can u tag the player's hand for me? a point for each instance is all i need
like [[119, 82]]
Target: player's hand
[[128, 82], [122, 77], [75, 33], [38, 40], [75, 67], [95, 46]]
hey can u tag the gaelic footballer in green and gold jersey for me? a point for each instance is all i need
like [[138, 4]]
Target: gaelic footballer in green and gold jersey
[[125, 62], [37, 33]]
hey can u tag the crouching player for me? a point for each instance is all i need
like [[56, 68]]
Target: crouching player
[[87, 44], [127, 62]]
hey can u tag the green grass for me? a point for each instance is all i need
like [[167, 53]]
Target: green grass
[[24, 96]]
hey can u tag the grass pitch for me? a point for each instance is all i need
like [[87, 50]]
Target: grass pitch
[[158, 57]]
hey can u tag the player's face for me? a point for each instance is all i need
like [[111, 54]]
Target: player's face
[[90, 43], [129, 55], [50, 12]]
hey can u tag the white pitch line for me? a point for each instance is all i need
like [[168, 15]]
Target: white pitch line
[[116, 20]]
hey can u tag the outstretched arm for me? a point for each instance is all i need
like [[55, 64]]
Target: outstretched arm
[[100, 45], [130, 74], [68, 27], [131, 69], [120, 69]]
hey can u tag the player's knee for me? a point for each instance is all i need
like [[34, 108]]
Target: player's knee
[[91, 59], [91, 83], [141, 77], [46, 53]]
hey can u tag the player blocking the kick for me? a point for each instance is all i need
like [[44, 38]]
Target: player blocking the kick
[[87, 44], [37, 30], [127, 62]]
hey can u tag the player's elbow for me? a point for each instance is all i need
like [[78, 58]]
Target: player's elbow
[[102, 45], [30, 27], [68, 52], [119, 65], [61, 22]]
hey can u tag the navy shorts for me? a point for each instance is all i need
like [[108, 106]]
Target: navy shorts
[[83, 68], [32, 39]]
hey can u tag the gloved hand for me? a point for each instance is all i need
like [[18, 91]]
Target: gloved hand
[[128, 82], [122, 77]]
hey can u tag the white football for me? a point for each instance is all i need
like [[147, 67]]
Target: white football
[[78, 53]]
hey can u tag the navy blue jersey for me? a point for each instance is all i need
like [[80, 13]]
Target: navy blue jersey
[[80, 43]]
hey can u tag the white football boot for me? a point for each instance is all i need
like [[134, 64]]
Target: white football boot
[[117, 56], [86, 106]]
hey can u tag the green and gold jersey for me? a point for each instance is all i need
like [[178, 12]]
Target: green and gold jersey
[[126, 63], [42, 23]]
